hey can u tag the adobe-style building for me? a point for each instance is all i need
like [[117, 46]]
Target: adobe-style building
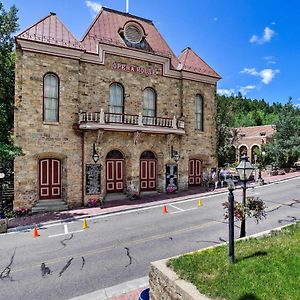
[[251, 138], [116, 112]]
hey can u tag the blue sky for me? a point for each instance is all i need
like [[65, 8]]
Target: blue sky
[[253, 44]]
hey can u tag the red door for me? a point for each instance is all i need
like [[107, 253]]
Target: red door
[[49, 178], [194, 172], [148, 174], [114, 175]]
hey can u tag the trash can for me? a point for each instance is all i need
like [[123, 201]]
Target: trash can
[[144, 295]]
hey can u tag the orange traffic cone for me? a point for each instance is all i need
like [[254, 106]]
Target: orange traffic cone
[[85, 225], [35, 232], [165, 210]]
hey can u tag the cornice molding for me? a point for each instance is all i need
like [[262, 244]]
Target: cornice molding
[[104, 49]]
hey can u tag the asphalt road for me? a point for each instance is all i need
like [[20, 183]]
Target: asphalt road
[[66, 262]]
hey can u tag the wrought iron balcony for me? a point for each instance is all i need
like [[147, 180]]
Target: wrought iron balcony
[[126, 122]]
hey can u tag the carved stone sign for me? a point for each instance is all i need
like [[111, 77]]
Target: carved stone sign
[[171, 177], [133, 69], [93, 179]]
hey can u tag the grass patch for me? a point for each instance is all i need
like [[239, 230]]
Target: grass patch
[[267, 268]]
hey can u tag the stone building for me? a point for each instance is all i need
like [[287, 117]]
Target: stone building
[[116, 112], [252, 138]]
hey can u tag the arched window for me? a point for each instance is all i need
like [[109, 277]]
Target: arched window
[[199, 113], [149, 109], [51, 98], [116, 103], [116, 98]]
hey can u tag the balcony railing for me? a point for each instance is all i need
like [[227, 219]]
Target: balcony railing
[[98, 120]]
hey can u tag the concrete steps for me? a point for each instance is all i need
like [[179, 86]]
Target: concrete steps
[[49, 205]]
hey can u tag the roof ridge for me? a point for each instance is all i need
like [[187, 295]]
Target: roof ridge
[[41, 20], [127, 14]]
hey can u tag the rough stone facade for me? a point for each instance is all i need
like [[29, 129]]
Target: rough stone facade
[[84, 86]]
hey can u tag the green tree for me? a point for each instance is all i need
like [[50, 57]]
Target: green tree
[[225, 133], [8, 25], [285, 149]]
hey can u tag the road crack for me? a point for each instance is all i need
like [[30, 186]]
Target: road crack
[[83, 263], [6, 272], [65, 267], [45, 270], [129, 256], [67, 239]]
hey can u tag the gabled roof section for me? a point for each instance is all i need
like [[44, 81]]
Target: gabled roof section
[[50, 30], [106, 27], [190, 61]]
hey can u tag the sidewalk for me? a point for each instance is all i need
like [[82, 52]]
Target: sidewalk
[[124, 205]]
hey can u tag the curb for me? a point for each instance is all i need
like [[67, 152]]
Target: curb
[[161, 202]]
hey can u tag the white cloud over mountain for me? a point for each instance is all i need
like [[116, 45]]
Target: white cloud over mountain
[[266, 75]]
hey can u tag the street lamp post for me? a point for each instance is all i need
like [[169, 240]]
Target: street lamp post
[[2, 175], [244, 170], [230, 185], [261, 163]]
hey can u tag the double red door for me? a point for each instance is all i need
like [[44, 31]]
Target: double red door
[[148, 174], [49, 178], [114, 175], [195, 172]]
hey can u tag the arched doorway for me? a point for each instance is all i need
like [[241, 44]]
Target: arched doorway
[[114, 172], [254, 151], [148, 171], [195, 170], [49, 179], [243, 151]]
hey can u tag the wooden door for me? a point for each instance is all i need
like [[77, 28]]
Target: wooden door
[[195, 172], [148, 174], [49, 179], [114, 175]]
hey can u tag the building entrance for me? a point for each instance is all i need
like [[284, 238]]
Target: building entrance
[[195, 170], [147, 171], [49, 179], [114, 172]]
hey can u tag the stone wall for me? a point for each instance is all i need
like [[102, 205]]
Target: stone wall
[[85, 86], [166, 285]]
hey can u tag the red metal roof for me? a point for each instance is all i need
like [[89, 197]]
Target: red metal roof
[[190, 61], [107, 24], [51, 30], [105, 29]]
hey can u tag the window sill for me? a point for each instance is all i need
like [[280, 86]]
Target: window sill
[[51, 123]]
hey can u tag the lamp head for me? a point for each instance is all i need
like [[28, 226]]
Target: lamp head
[[230, 184], [244, 168]]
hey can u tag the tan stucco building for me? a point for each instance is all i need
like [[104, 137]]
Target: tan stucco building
[[119, 95], [252, 138]]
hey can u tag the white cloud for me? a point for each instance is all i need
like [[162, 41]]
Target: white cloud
[[94, 7], [271, 60], [215, 19], [266, 37], [225, 92], [266, 75], [246, 89]]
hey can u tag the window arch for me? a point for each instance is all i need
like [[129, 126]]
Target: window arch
[[51, 98], [149, 107], [199, 112]]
